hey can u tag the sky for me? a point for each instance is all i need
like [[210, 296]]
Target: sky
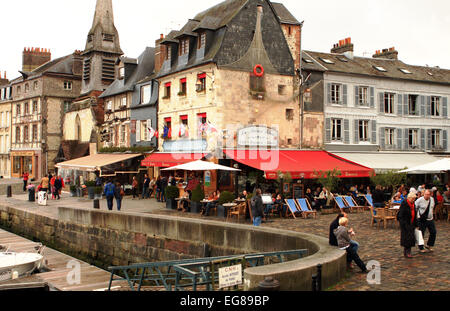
[[419, 30]]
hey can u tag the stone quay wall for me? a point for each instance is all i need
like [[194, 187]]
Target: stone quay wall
[[113, 238]]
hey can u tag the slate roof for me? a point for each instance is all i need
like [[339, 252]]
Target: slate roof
[[221, 14], [366, 66], [145, 67], [284, 15]]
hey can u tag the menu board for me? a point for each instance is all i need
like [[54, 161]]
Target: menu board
[[298, 191]]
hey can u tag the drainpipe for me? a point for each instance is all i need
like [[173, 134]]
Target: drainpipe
[[301, 89]]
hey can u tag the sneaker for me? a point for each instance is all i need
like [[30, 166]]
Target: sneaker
[[429, 248]]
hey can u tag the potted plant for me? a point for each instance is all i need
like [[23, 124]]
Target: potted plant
[[90, 185], [172, 193], [73, 191], [98, 193], [197, 196]]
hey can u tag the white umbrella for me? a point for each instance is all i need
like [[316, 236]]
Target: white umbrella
[[200, 166], [430, 168]]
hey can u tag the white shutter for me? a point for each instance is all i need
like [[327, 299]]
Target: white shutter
[[138, 131], [149, 125]]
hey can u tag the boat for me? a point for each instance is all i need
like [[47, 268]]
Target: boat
[[19, 264]]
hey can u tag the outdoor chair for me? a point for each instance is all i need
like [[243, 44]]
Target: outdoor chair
[[352, 204], [438, 212], [340, 204], [306, 209], [291, 208], [369, 200], [239, 211], [381, 216]]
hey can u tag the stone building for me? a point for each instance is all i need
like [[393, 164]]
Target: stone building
[[5, 127], [229, 73], [39, 99], [123, 95], [83, 119], [379, 111]]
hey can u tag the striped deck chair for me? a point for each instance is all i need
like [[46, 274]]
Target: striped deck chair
[[306, 208], [340, 203], [369, 200], [352, 204], [291, 208]]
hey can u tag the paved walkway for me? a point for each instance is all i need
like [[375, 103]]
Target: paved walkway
[[429, 272]]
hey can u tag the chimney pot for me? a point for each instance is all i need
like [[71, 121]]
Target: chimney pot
[[162, 36]]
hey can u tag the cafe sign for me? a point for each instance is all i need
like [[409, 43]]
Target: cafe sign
[[258, 136]]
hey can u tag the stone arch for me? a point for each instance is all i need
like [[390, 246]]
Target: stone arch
[[78, 129]]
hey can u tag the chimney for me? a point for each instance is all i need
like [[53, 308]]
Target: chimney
[[77, 65], [34, 57], [343, 46], [160, 53], [3, 81], [391, 53]]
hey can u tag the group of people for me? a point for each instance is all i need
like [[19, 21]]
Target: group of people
[[51, 184], [113, 191], [153, 186]]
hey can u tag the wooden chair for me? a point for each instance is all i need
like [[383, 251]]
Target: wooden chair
[[438, 211], [292, 209], [306, 209], [352, 204], [239, 210], [382, 216]]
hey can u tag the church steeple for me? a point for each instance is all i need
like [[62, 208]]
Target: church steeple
[[102, 49]]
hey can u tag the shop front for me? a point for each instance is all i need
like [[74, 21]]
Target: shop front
[[25, 161]]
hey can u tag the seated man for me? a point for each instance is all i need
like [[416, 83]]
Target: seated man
[[244, 195], [277, 204], [183, 204]]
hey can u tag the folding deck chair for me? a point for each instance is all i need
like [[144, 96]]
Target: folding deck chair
[[340, 203], [369, 200], [352, 204], [291, 208], [306, 209]]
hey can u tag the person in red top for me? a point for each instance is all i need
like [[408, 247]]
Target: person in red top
[[408, 223], [439, 197], [25, 177]]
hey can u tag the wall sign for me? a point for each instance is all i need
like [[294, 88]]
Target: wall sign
[[207, 178], [258, 136], [185, 145], [230, 276]]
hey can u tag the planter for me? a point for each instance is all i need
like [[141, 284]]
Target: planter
[[171, 204], [91, 192], [195, 207], [73, 193], [221, 211]]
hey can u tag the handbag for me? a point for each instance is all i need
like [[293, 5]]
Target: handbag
[[419, 237]]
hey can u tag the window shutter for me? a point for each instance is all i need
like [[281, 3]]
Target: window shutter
[[406, 139], [428, 109], [329, 93], [372, 97], [346, 131], [444, 140], [422, 139], [444, 107], [374, 132], [422, 106], [381, 100], [356, 140], [405, 104], [138, 131], [356, 96], [327, 130], [429, 139], [399, 139], [399, 105], [344, 92], [149, 125], [382, 138]]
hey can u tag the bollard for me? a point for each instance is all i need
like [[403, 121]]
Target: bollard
[[96, 204], [314, 283], [9, 192], [269, 285], [319, 277]]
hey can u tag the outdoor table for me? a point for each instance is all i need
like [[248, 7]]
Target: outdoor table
[[240, 200], [229, 206]]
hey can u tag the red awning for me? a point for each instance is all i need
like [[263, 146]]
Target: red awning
[[171, 159], [201, 75], [300, 164]]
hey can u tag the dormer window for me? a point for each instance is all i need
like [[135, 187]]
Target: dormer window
[[202, 40], [109, 105], [184, 46], [121, 72], [107, 37], [67, 85], [168, 52], [90, 38]]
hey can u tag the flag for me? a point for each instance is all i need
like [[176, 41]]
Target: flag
[[166, 133], [212, 128], [152, 133]]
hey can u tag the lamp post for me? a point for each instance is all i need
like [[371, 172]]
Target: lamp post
[[236, 181], [281, 175]]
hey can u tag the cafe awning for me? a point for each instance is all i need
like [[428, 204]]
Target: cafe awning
[[95, 162], [299, 163], [201, 166], [439, 166], [160, 159]]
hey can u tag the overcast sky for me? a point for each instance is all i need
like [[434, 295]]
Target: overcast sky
[[418, 29]]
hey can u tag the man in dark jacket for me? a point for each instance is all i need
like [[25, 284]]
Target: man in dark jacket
[[164, 183], [257, 208], [334, 225], [109, 193]]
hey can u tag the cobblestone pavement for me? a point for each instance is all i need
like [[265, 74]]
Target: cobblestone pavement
[[425, 272]]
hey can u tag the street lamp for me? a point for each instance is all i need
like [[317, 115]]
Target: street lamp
[[281, 175], [236, 181]]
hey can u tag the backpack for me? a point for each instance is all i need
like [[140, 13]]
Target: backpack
[[109, 191]]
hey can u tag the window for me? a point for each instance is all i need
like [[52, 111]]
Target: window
[[257, 83], [168, 52], [26, 109], [18, 112], [145, 94], [281, 89], [121, 72], [389, 137], [35, 132], [405, 71], [413, 138], [66, 106], [201, 83], [167, 90], [183, 89], [202, 125], [17, 134], [3, 120], [290, 31], [308, 61], [364, 130], [363, 96], [336, 134], [436, 139], [435, 105], [35, 106], [184, 46], [143, 131], [336, 93], [289, 114], [389, 99], [123, 103], [184, 128], [326, 60], [35, 85], [26, 134], [167, 133], [27, 87], [67, 85], [379, 68], [107, 37], [109, 105], [413, 105], [18, 89], [122, 133], [202, 40]]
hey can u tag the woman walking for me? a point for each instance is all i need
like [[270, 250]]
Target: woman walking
[[119, 194], [408, 223], [134, 189]]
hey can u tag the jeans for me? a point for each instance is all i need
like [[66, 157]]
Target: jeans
[[25, 182], [356, 245], [430, 225], [145, 194], [158, 194], [134, 191], [257, 221], [119, 204], [352, 255], [109, 201], [163, 195]]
